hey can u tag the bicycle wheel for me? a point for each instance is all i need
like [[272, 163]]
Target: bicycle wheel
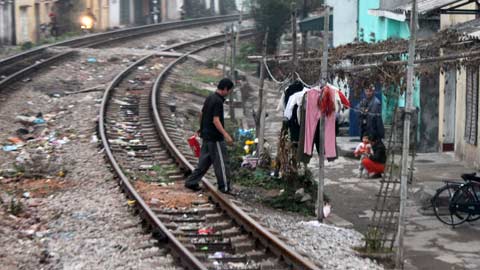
[[460, 201], [474, 217], [441, 206]]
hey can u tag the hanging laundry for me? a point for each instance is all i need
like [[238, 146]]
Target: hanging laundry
[[312, 115], [295, 99], [320, 103]]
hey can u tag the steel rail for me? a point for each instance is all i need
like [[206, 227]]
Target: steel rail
[[260, 233], [187, 258], [21, 73]]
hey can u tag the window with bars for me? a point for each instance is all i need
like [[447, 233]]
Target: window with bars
[[471, 105]]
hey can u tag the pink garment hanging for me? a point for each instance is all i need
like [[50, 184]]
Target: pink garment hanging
[[314, 100], [312, 115]]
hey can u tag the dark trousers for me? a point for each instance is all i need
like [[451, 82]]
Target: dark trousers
[[212, 153]]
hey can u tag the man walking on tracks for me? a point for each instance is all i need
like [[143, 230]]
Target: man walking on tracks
[[212, 131]]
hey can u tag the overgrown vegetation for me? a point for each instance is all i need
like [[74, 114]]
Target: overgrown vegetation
[[275, 16], [15, 207], [266, 176], [158, 174], [272, 16], [246, 49], [188, 88]]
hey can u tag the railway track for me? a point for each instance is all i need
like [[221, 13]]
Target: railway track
[[140, 136], [15, 67]]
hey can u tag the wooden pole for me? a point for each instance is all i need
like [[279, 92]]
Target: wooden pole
[[225, 46], [321, 125], [304, 33], [261, 110], [232, 72], [406, 135], [294, 36]]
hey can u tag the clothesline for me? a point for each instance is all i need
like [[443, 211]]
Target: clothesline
[[307, 85], [271, 75]]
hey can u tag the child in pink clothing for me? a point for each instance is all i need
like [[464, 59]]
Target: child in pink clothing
[[363, 149]]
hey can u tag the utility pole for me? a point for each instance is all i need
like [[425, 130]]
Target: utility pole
[[406, 134], [260, 121], [294, 36], [321, 125]]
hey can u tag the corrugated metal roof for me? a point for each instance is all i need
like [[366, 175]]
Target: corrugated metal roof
[[470, 29], [424, 6]]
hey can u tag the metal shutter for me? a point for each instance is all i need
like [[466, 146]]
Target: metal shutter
[[471, 102]]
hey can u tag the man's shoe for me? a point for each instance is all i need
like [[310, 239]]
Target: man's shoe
[[377, 175], [228, 192], [194, 187]]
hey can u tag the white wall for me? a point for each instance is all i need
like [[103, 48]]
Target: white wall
[[173, 9], [344, 21], [6, 22], [114, 13]]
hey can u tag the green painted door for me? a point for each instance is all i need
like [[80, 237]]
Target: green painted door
[[124, 11], [139, 18]]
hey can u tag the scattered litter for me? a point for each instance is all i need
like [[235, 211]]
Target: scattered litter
[[119, 102], [131, 202], [327, 209], [204, 248], [39, 121], [10, 148], [26, 195], [27, 80], [118, 141], [146, 167], [217, 255], [91, 60], [94, 139], [55, 95], [205, 231], [15, 140]]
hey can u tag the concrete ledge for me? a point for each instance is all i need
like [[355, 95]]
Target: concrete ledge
[[338, 221]]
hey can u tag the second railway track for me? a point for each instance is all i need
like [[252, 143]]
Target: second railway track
[[140, 136], [15, 67]]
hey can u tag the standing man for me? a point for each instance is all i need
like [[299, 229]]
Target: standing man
[[53, 24], [371, 122], [212, 131]]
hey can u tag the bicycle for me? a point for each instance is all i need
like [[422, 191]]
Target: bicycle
[[453, 202]]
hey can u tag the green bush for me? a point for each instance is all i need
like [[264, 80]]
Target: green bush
[[26, 46]]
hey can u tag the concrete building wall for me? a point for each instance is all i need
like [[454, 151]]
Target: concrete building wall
[[344, 21], [467, 152], [100, 9], [29, 15], [170, 10], [6, 22], [114, 13]]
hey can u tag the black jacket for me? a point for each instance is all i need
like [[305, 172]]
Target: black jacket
[[371, 118], [379, 153]]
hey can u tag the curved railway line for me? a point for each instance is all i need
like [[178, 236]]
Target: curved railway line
[[138, 134]]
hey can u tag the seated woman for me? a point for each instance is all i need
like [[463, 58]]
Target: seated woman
[[375, 164]]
